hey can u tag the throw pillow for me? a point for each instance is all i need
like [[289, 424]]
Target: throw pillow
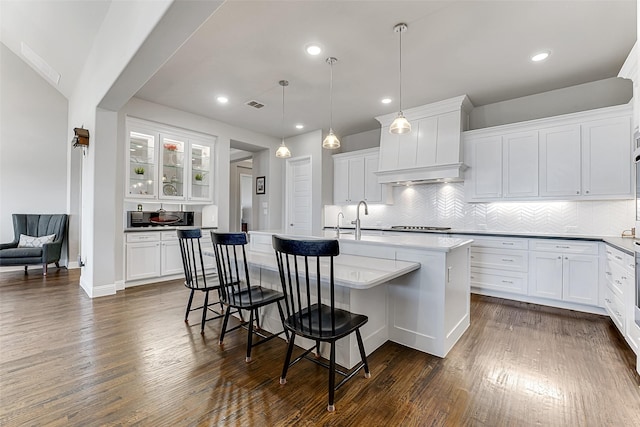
[[34, 242]]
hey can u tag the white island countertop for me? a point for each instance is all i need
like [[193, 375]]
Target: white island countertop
[[351, 271], [431, 242]]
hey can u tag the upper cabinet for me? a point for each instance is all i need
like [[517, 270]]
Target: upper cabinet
[[584, 156], [354, 178], [168, 164], [432, 150]]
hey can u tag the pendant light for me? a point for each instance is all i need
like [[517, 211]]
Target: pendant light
[[331, 141], [400, 124], [283, 152]]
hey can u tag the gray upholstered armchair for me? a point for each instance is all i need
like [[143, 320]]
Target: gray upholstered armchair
[[35, 225]]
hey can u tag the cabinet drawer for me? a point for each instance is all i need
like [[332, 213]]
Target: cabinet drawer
[[483, 242], [143, 237], [168, 235], [499, 280], [569, 246], [615, 308], [499, 259], [623, 259], [618, 279]]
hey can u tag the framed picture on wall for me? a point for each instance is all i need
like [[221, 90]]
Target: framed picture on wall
[[260, 185]]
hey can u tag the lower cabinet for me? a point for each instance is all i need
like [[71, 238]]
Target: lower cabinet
[[142, 256], [500, 264], [156, 254], [563, 276], [620, 290]]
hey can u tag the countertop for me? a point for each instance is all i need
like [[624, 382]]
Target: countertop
[[626, 244], [416, 241], [164, 228]]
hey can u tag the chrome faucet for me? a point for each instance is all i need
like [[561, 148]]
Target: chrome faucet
[[338, 224], [357, 221]]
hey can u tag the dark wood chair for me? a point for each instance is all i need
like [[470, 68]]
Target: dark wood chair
[[236, 290], [195, 276], [310, 305]]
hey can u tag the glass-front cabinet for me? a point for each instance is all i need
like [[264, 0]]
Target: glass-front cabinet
[[172, 167], [141, 172], [168, 164], [200, 174]]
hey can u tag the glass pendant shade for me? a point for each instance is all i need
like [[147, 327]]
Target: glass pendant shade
[[283, 152], [331, 141], [400, 125]]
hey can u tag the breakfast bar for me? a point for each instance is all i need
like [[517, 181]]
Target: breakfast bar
[[415, 293]]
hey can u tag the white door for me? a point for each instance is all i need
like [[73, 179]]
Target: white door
[[298, 197]]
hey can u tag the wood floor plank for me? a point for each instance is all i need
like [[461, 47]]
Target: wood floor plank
[[129, 359]]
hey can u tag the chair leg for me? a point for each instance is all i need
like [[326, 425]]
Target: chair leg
[[363, 355], [204, 311], [224, 325], [186, 315], [44, 269], [250, 337], [57, 264], [318, 355], [257, 317], [332, 377], [286, 333], [25, 269], [287, 359]]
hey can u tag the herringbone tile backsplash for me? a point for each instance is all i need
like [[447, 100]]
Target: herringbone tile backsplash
[[444, 205]]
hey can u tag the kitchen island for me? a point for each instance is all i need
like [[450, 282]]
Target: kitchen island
[[426, 309]]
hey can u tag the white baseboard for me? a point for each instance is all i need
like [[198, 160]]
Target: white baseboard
[[97, 291]]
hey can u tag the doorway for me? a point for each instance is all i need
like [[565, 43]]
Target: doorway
[[298, 196]]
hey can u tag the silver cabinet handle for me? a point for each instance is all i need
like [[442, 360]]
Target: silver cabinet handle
[[508, 243], [608, 273], [618, 257], [559, 257], [507, 260], [508, 281], [563, 247]]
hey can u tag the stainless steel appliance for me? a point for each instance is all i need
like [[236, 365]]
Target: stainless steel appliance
[[159, 219], [637, 296], [636, 164], [419, 228]]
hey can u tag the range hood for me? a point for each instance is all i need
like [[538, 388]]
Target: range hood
[[432, 152]]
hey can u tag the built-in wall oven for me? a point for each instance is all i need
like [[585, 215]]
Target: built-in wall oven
[[636, 167]]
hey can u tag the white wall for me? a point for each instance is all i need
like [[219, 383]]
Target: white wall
[[33, 144]]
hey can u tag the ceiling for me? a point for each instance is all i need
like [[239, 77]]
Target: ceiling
[[479, 48]]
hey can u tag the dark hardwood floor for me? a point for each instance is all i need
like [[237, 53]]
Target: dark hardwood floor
[[129, 359]]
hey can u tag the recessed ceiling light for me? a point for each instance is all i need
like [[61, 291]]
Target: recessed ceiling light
[[540, 56], [299, 126], [386, 100], [222, 99], [313, 49]]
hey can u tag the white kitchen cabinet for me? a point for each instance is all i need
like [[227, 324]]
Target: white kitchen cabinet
[[520, 164], [606, 157], [499, 264], [579, 156], [169, 164], [620, 291], [568, 273], [485, 158], [560, 160], [354, 178], [142, 256], [391, 156], [156, 254]]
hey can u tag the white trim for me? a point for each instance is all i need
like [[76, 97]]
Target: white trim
[[97, 291]]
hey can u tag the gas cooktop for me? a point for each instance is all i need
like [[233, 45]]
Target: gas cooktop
[[418, 228]]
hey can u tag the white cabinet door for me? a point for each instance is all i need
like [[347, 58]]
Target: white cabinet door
[[448, 138], [141, 150], [427, 130], [546, 274], [560, 161], [486, 168], [394, 146], [356, 179], [173, 170], [606, 157], [372, 190], [340, 181], [520, 167], [200, 170], [580, 279], [143, 260], [171, 259]]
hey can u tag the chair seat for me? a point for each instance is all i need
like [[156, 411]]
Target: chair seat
[[21, 252], [345, 322], [255, 297], [211, 281]]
